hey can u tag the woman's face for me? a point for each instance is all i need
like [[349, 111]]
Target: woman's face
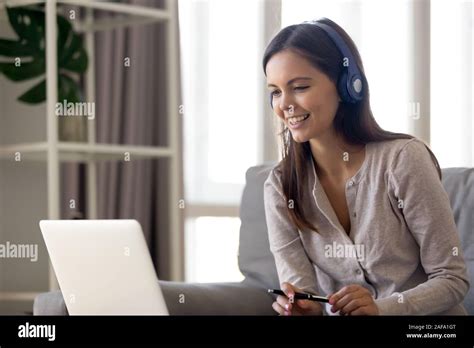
[[304, 98]]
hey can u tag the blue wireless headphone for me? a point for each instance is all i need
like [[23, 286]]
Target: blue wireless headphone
[[349, 85]]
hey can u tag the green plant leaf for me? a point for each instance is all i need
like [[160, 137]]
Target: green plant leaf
[[10, 48], [73, 45], [35, 95], [71, 53], [78, 62], [23, 72], [68, 89], [29, 25], [64, 34]]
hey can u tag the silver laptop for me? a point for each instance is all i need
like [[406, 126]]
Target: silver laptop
[[103, 267]]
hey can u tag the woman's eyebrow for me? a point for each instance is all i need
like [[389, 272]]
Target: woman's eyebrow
[[291, 81]]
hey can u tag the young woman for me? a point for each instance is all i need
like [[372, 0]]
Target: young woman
[[354, 212]]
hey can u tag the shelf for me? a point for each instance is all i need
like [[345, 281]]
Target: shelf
[[112, 23], [131, 14], [17, 3], [18, 295], [53, 152], [83, 152], [128, 9]]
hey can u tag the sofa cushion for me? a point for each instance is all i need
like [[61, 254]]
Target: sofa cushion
[[187, 299], [256, 261], [459, 184]]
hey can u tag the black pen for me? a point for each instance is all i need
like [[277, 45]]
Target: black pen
[[300, 296]]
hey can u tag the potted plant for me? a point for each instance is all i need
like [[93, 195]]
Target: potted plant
[[25, 59]]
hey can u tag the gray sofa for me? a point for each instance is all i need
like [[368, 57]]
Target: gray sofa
[[249, 297]]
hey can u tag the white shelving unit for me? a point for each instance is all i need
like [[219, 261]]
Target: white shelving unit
[[54, 151]]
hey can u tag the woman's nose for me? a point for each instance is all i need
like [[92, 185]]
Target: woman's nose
[[287, 104]]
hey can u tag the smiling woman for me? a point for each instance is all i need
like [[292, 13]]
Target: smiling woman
[[345, 181], [315, 96], [307, 50]]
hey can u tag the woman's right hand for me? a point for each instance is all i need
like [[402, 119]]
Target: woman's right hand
[[284, 305]]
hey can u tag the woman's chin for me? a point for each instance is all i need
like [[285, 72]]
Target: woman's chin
[[299, 138]]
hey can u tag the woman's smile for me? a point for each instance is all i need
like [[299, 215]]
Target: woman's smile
[[296, 122]]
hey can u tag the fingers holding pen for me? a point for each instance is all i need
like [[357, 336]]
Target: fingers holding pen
[[284, 304], [278, 308]]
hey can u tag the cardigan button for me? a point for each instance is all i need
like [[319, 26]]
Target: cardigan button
[[351, 183]]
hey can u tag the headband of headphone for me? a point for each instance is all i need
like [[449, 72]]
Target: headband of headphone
[[349, 84]]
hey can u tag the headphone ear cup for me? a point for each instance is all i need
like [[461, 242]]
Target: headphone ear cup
[[342, 87]]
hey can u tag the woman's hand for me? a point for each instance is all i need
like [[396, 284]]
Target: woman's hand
[[284, 305], [353, 300]]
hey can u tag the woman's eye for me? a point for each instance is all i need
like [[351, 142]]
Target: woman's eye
[[275, 93]]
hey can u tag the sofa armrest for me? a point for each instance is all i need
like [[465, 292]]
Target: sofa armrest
[[187, 299], [216, 299]]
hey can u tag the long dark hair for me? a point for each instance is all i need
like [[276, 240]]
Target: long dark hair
[[355, 122]]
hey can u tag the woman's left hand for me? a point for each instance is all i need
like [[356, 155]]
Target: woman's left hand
[[353, 300]]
